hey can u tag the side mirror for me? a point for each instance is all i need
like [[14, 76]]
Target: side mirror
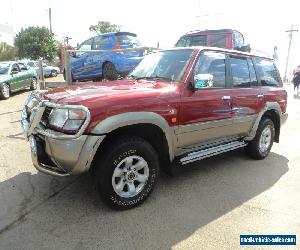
[[13, 72], [202, 81]]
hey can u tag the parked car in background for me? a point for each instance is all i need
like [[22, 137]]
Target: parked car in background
[[222, 38], [33, 65], [49, 71], [13, 78], [176, 107], [91, 65]]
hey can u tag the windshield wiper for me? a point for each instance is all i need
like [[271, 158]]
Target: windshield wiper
[[155, 78]]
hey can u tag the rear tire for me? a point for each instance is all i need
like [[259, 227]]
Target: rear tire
[[109, 71], [261, 145], [126, 172], [4, 91]]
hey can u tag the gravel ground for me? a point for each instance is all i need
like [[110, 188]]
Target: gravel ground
[[207, 206]]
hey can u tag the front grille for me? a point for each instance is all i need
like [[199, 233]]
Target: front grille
[[45, 117]]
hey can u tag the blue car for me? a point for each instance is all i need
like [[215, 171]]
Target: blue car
[[95, 66]]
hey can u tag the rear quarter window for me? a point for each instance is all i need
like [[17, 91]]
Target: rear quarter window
[[268, 73]]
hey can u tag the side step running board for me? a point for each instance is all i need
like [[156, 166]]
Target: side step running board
[[201, 154]]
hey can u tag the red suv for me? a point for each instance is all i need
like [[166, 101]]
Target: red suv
[[222, 38], [176, 107]]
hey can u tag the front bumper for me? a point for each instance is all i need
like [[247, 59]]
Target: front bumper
[[63, 157], [53, 152]]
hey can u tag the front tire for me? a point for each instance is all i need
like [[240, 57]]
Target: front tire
[[261, 145], [109, 71], [4, 91], [128, 174], [53, 73]]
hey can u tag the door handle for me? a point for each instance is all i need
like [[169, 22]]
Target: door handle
[[226, 97], [260, 96]]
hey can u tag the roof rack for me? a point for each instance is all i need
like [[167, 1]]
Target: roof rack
[[192, 31]]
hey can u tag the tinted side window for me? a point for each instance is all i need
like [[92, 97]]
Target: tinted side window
[[101, 42], [268, 73], [128, 40], [240, 72], [218, 40], [199, 41], [212, 63]]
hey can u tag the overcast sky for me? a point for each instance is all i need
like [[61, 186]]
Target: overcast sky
[[263, 23]]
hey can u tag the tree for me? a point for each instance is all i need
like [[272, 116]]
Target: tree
[[7, 52], [36, 43], [104, 27]]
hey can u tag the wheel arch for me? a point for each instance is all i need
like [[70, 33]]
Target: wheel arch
[[272, 111], [147, 125]]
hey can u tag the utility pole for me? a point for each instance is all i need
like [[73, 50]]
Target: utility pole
[[50, 20], [289, 50]]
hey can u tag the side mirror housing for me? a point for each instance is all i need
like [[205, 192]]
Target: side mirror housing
[[201, 81]]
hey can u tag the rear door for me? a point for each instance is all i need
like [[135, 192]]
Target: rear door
[[206, 114], [271, 84], [246, 98]]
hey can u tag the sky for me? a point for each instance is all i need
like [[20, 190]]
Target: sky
[[263, 23]]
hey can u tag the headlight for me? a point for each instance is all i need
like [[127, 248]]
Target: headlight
[[67, 119]]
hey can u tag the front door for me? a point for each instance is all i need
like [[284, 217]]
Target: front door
[[205, 114], [16, 81], [80, 61]]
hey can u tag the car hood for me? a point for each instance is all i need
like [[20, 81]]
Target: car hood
[[85, 93]]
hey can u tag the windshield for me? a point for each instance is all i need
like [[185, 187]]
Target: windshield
[[166, 65], [4, 67]]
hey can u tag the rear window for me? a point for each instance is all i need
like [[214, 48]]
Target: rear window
[[128, 40], [218, 40], [267, 72]]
